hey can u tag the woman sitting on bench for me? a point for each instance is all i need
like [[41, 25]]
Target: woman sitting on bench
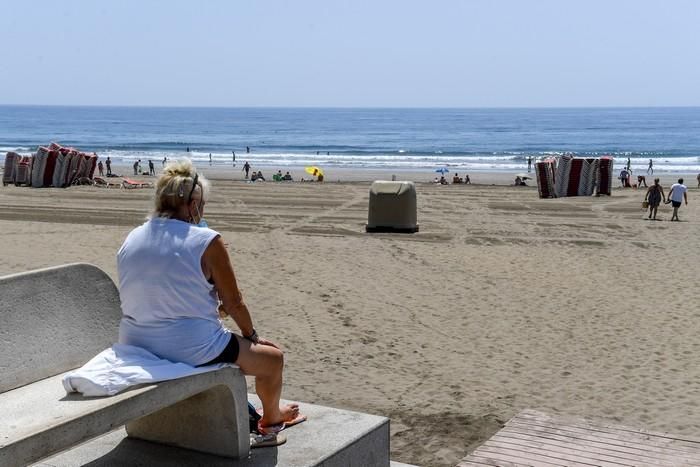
[[172, 273]]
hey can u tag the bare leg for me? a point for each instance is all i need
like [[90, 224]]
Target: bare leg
[[266, 364], [654, 211], [674, 217]]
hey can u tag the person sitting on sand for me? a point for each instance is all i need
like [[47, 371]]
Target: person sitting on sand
[[443, 181], [437, 180], [287, 177], [519, 181], [456, 179], [259, 177], [319, 177], [253, 176], [172, 274], [654, 195]]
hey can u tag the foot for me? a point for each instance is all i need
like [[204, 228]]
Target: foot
[[286, 413]]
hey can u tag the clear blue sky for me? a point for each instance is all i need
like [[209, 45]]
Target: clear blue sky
[[359, 53]]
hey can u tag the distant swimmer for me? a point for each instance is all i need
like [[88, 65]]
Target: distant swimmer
[[247, 150]]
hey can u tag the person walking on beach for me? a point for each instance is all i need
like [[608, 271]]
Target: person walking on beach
[[650, 169], [165, 159], [629, 164], [246, 167], [678, 193], [654, 195], [108, 163], [100, 168], [624, 175], [234, 158], [209, 158], [529, 163], [151, 168]]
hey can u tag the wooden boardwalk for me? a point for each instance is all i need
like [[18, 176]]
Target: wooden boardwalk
[[537, 439]]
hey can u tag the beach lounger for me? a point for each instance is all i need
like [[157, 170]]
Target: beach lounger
[[50, 168], [545, 178], [128, 183], [23, 171], [72, 162], [39, 166], [43, 167], [59, 172], [102, 183], [8, 176]]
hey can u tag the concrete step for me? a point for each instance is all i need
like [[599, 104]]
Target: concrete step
[[330, 437]]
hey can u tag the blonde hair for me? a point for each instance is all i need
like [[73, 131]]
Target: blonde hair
[[174, 186]]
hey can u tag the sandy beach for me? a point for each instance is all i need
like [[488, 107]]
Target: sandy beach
[[501, 302]]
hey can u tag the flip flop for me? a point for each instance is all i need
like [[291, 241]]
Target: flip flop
[[268, 440], [270, 429]]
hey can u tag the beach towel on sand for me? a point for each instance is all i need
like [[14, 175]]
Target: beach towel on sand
[[123, 366]]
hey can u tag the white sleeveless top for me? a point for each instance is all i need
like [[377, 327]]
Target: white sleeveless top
[[168, 306]]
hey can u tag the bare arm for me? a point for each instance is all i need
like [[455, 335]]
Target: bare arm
[[685, 195], [217, 265]]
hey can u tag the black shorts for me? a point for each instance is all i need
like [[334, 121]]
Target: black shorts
[[229, 354], [676, 204]]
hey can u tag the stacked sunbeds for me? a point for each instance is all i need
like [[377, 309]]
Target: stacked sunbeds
[[562, 176], [54, 165]]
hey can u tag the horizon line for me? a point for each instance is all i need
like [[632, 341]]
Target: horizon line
[[356, 107]]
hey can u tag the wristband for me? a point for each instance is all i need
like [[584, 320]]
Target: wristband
[[253, 337]]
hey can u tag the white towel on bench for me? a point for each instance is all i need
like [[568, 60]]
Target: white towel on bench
[[123, 366]]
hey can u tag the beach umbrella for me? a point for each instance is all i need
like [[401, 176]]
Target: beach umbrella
[[442, 170], [313, 170]]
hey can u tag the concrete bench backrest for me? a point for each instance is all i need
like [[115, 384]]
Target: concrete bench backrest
[[54, 320]]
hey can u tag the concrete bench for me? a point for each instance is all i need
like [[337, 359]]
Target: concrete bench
[[53, 321]]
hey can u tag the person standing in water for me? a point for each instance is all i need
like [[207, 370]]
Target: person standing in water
[[651, 167], [234, 157]]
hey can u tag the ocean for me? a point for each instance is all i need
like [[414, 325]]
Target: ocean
[[470, 140]]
